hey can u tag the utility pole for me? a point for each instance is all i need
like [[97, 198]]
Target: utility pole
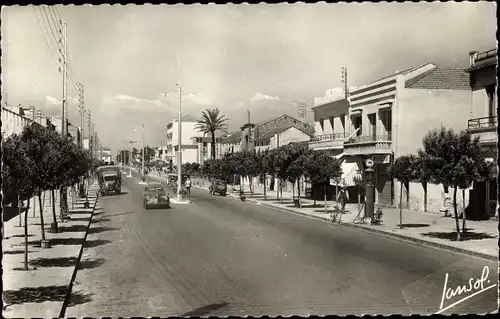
[[82, 112], [65, 86], [344, 80], [179, 162], [143, 154]]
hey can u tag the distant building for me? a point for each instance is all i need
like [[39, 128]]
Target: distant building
[[188, 132], [266, 135]]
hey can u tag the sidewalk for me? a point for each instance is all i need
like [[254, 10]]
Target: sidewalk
[[42, 290], [481, 238]]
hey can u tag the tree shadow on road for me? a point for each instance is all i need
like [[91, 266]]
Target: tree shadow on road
[[42, 294], [18, 236], [67, 262], [80, 219], [113, 215], [202, 311], [73, 228], [96, 243], [452, 236], [413, 225], [95, 230], [17, 252], [100, 220], [77, 212], [60, 241]]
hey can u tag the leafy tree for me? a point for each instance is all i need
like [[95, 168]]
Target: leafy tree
[[16, 184], [422, 173], [294, 164], [149, 153], [268, 166], [321, 168], [403, 171], [455, 160], [212, 121]]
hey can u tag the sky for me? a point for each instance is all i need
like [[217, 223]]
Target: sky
[[262, 58]]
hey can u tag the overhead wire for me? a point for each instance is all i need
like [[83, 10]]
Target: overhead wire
[[35, 75]]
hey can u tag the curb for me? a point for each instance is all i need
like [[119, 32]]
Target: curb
[[419, 241], [78, 259]]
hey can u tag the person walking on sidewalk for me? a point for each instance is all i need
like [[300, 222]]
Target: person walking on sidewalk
[[343, 197], [188, 186]]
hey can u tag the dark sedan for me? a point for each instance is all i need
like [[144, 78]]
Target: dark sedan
[[155, 195]]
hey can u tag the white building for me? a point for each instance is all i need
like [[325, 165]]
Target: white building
[[188, 132]]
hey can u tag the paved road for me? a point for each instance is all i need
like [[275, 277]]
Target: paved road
[[219, 256]]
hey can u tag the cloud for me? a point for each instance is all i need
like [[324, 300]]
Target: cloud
[[191, 98], [52, 101], [263, 97]]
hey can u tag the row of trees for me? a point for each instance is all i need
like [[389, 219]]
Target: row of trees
[[287, 163], [125, 154], [448, 158], [40, 160]]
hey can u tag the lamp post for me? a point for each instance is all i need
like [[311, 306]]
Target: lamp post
[[370, 189], [179, 143], [130, 142]]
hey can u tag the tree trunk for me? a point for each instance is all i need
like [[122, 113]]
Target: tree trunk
[[20, 210], [457, 224], [265, 193], [278, 189], [359, 198], [464, 217], [61, 203], [298, 193], [293, 191], [424, 185], [401, 206], [26, 267], [281, 191], [324, 195], [54, 217], [213, 144], [42, 224], [337, 196]]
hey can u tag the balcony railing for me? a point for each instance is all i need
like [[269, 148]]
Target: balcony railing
[[329, 137], [482, 123], [369, 139]]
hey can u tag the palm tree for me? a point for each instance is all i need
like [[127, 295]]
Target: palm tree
[[211, 121]]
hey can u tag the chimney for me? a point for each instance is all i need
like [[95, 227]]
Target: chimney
[[472, 58]]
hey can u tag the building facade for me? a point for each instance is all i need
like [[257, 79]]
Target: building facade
[[15, 118], [483, 123], [188, 132], [331, 126], [390, 117]]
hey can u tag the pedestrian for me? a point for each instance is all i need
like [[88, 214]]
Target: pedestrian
[[188, 186], [343, 197]]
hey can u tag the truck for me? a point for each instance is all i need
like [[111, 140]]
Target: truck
[[110, 179]]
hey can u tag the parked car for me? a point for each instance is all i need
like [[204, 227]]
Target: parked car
[[218, 187], [155, 195]]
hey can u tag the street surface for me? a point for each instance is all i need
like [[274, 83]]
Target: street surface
[[218, 257]]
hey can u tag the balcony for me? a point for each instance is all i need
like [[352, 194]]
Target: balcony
[[485, 128], [328, 141], [368, 144]]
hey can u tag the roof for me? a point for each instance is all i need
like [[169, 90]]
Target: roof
[[484, 59], [400, 72], [280, 130], [443, 78], [233, 138]]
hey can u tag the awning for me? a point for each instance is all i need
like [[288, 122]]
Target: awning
[[350, 170]]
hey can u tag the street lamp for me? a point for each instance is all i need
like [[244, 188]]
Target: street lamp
[[130, 142]]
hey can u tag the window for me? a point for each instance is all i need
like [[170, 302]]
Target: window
[[358, 124], [372, 129], [492, 101]]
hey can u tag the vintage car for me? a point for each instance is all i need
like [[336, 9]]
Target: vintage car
[[110, 179], [155, 195], [218, 187]]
